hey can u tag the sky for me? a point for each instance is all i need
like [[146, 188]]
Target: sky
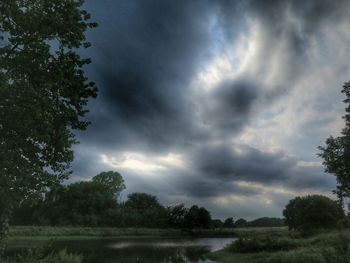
[[216, 103]]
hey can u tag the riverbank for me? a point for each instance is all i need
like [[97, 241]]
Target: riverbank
[[48, 232], [281, 246]]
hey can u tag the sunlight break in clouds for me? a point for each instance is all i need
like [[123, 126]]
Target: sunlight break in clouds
[[141, 162]]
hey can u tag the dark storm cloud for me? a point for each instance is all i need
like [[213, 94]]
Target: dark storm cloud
[[200, 186], [146, 55], [245, 163], [230, 105], [144, 67]]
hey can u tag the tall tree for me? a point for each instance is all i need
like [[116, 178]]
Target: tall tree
[[112, 181], [336, 153], [43, 94]]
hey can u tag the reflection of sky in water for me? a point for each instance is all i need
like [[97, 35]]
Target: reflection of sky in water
[[145, 250], [211, 244]]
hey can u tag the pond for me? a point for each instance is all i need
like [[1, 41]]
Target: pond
[[155, 250]]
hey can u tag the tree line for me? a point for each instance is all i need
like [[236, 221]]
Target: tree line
[[97, 203]]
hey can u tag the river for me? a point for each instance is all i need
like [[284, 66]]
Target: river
[[155, 250]]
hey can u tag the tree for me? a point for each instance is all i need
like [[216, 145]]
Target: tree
[[86, 202], [312, 212], [113, 182], [43, 95], [217, 223], [241, 223], [229, 223], [267, 222], [336, 153], [144, 210], [142, 201], [176, 215], [197, 218]]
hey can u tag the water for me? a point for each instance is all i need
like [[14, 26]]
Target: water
[[155, 250]]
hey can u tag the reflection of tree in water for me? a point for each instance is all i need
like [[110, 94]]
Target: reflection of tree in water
[[194, 254], [186, 255]]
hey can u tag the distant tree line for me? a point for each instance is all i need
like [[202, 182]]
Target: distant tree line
[[97, 203]]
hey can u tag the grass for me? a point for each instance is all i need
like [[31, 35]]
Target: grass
[[48, 232], [60, 257], [280, 246]]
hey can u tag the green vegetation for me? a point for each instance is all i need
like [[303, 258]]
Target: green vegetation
[[305, 215], [60, 257], [43, 91], [336, 153], [45, 232], [95, 203], [311, 212], [259, 246]]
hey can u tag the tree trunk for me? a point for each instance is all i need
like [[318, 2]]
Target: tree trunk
[[5, 212]]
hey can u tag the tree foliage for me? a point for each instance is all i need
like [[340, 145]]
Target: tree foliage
[[312, 212], [176, 215], [336, 153], [241, 222], [228, 223], [142, 209], [266, 222], [217, 223], [43, 94], [112, 181], [90, 203], [197, 217]]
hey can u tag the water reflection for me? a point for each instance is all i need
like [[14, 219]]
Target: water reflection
[[144, 250]]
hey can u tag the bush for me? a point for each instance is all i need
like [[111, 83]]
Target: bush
[[260, 244], [312, 212]]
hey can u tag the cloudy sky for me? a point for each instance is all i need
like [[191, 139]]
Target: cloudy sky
[[216, 103]]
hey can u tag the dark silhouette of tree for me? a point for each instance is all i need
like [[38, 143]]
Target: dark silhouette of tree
[[112, 181], [93, 203], [43, 94], [176, 215], [267, 222], [336, 153], [86, 202], [142, 209], [312, 212], [241, 223], [197, 218], [217, 223], [229, 223]]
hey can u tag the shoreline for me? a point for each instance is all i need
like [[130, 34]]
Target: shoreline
[[324, 246], [61, 233]]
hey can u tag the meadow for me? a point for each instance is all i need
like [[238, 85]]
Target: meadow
[[278, 245]]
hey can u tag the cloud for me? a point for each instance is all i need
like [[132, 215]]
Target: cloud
[[220, 103]]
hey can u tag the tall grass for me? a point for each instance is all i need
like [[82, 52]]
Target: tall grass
[[60, 257], [326, 247]]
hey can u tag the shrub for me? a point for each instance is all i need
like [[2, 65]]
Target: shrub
[[260, 244], [312, 212]]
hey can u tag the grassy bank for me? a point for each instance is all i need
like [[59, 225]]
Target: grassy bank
[[60, 257], [47, 232], [280, 246]]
